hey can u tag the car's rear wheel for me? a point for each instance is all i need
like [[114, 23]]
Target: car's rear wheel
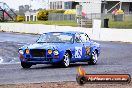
[[66, 60], [25, 65], [93, 59]]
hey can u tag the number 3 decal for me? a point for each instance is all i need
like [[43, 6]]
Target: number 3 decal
[[78, 52]]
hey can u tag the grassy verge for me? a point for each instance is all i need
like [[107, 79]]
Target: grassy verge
[[59, 23], [124, 24], [112, 24]]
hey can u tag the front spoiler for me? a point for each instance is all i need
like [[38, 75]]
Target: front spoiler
[[39, 62]]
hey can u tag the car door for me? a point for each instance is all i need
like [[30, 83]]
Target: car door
[[86, 44], [79, 48]]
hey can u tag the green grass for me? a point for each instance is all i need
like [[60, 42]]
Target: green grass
[[123, 24], [59, 23], [127, 23]]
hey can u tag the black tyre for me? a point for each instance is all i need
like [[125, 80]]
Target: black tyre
[[93, 59], [25, 65], [66, 60]]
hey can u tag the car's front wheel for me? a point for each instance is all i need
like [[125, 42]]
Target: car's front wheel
[[93, 59], [25, 65], [66, 60]]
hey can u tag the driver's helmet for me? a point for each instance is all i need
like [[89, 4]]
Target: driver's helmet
[[77, 38]]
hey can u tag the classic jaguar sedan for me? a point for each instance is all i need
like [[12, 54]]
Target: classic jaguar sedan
[[60, 48]]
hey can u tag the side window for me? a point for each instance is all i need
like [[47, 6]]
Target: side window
[[84, 38], [77, 38]]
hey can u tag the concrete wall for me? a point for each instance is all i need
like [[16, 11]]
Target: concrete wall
[[38, 28], [124, 35]]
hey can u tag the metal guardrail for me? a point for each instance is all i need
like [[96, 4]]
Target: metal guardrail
[[61, 16]]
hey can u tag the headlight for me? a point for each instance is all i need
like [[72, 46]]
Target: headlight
[[27, 51], [21, 52], [56, 52], [49, 51]]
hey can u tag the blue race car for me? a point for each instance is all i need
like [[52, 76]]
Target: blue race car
[[60, 48]]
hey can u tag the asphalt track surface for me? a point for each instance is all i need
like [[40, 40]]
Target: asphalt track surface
[[116, 57]]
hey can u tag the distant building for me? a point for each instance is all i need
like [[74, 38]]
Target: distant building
[[31, 16], [26, 7], [91, 6], [62, 4], [23, 9], [126, 5]]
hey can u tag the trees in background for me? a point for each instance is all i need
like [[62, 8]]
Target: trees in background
[[43, 14]]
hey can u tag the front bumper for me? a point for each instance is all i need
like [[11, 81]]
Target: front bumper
[[41, 60]]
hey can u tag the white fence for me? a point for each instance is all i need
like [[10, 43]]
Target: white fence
[[124, 35]]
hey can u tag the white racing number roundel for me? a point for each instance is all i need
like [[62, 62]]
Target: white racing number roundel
[[78, 52]]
